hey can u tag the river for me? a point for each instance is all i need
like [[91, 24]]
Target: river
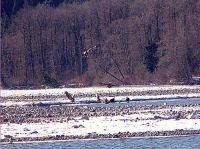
[[181, 142]]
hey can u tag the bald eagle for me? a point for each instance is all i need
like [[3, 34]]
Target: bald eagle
[[69, 96], [98, 98]]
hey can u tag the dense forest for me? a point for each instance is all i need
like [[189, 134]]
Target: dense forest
[[56, 42]]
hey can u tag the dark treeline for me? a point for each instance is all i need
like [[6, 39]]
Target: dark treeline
[[120, 41], [11, 7]]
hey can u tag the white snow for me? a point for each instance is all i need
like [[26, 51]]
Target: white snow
[[99, 125], [92, 90], [93, 99]]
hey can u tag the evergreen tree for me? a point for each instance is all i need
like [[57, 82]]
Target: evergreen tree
[[150, 57]]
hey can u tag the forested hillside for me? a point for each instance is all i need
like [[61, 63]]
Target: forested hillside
[[48, 42]]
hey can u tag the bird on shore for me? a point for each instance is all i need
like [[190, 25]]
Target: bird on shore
[[106, 101], [98, 98], [127, 99], [69, 96], [112, 99]]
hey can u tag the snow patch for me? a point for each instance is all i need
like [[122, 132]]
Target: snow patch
[[92, 90], [99, 125]]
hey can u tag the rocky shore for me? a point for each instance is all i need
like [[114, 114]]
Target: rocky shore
[[63, 113], [104, 136], [66, 114], [42, 122]]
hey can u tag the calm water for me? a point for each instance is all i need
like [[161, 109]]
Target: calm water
[[187, 101], [160, 102], [187, 142]]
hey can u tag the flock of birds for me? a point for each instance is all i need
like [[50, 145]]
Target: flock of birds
[[99, 100]]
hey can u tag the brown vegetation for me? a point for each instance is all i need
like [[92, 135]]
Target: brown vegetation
[[118, 41]]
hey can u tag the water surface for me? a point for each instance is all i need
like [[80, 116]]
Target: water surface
[[181, 142], [172, 102]]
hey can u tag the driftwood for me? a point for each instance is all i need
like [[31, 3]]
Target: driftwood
[[86, 52], [118, 67], [112, 75]]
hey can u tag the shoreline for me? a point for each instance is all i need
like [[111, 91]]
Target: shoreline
[[124, 135], [46, 122], [65, 113], [46, 94], [93, 100], [120, 122], [49, 141], [88, 95]]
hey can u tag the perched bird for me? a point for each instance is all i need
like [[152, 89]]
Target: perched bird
[[127, 99], [69, 96], [109, 85], [106, 101], [112, 99], [98, 98]]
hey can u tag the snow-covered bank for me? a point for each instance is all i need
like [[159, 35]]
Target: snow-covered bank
[[99, 125], [60, 101], [88, 95], [33, 123], [94, 90]]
